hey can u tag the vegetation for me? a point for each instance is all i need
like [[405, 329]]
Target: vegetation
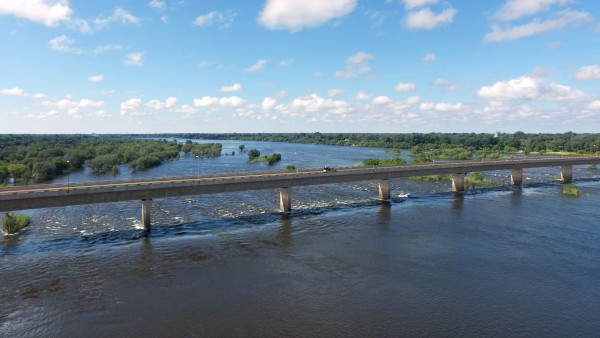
[[290, 167], [385, 161], [202, 149], [254, 156], [13, 223], [476, 178], [592, 166], [571, 190], [440, 177], [43, 157]]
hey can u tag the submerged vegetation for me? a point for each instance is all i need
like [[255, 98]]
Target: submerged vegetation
[[13, 223], [571, 190], [254, 157], [377, 161]]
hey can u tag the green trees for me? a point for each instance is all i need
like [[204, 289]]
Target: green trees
[[242, 147], [17, 170], [252, 154]]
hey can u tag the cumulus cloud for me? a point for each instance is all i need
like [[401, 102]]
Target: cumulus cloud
[[218, 103], [39, 96], [14, 91], [73, 108], [96, 78], [515, 9], [425, 18], [44, 115], [187, 110], [268, 103], [356, 64], [285, 62], [528, 87], [442, 106], [257, 67], [134, 59], [47, 12], [159, 105], [536, 26], [594, 105], [63, 43], [381, 100], [233, 88], [296, 15], [405, 87], [216, 18], [588, 72], [132, 106], [314, 103], [105, 48], [446, 84], [119, 15]]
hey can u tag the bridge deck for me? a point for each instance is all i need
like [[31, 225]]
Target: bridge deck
[[55, 195]]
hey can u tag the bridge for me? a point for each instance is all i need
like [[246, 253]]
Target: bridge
[[59, 195]]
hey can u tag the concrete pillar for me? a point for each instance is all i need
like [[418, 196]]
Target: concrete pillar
[[516, 176], [566, 173], [285, 199], [146, 205], [458, 182], [384, 190]]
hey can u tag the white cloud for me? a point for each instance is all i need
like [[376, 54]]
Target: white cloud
[[268, 103], [335, 92], [257, 67], [79, 24], [15, 91], [405, 87], [63, 43], [132, 106], [426, 19], [39, 96], [217, 103], [233, 88], [355, 65], [157, 4], [588, 72], [120, 15], [537, 26], [214, 17], [362, 96], [296, 15], [381, 100], [442, 106], [42, 11], [314, 103], [530, 88], [429, 57], [410, 4], [159, 105], [96, 78], [595, 105], [134, 59], [515, 9], [170, 102]]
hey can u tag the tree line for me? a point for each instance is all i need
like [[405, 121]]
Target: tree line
[[498, 142]]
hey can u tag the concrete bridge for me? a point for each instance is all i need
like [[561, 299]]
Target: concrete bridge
[[58, 195]]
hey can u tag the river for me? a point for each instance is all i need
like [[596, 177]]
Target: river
[[496, 261]]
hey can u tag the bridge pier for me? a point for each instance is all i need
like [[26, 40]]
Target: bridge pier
[[566, 173], [285, 199], [146, 205], [458, 182], [384, 190], [516, 176]]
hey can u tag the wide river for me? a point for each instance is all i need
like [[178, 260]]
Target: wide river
[[497, 261]]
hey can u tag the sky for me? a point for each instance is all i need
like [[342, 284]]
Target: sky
[[377, 66]]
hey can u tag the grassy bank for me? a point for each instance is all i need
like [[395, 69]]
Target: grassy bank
[[13, 223]]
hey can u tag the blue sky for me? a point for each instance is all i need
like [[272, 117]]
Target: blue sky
[[153, 66]]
